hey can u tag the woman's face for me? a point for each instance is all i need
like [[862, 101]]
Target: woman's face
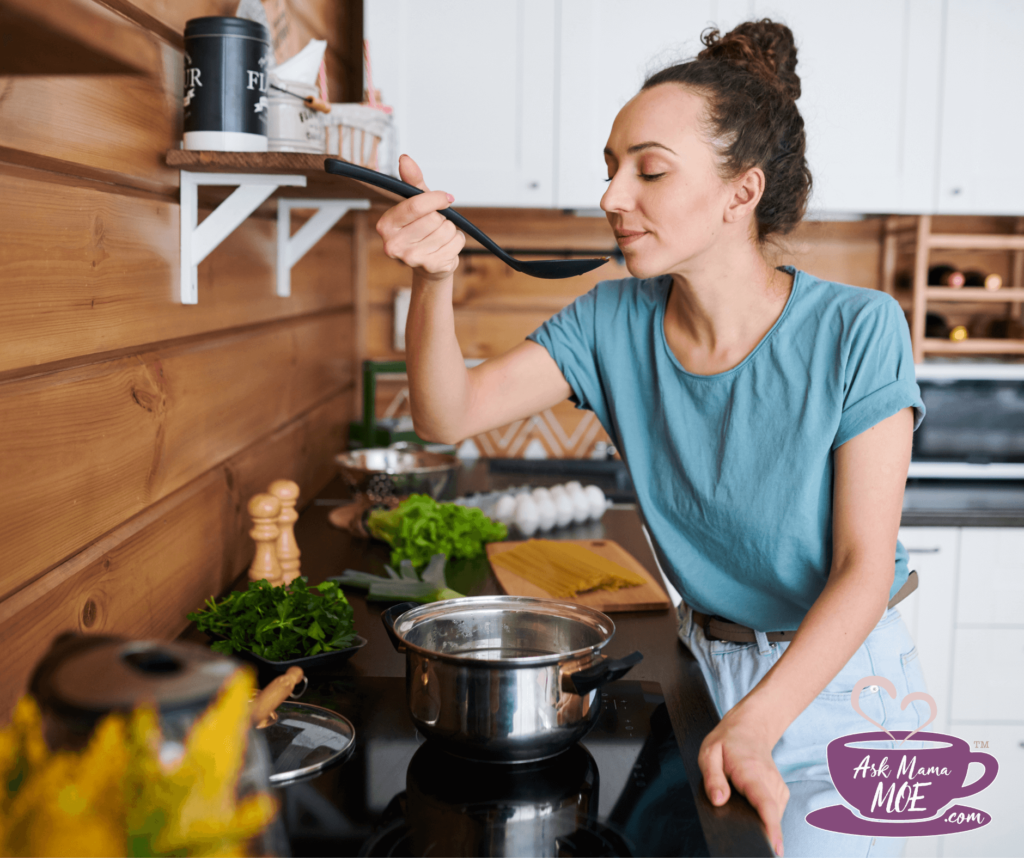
[[665, 201]]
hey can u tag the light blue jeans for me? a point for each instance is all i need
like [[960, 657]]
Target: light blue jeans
[[733, 669]]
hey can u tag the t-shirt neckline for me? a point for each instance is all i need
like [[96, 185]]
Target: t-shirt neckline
[[660, 323]]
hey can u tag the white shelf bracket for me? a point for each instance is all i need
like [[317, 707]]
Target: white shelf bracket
[[291, 248], [199, 239]]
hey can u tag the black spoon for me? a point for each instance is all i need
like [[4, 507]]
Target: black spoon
[[547, 269]]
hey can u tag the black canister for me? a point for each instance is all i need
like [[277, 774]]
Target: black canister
[[227, 64]]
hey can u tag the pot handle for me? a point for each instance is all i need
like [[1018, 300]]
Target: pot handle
[[390, 616], [605, 671]]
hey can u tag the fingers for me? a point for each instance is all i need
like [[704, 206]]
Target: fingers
[[415, 232], [769, 800], [716, 785], [410, 173]]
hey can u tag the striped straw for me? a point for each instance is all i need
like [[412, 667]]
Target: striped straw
[[371, 93], [322, 81]]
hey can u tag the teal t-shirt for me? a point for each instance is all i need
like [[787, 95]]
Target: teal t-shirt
[[733, 471]]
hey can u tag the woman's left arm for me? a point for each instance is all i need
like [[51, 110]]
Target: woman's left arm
[[870, 475]]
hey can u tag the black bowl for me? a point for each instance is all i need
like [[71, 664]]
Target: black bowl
[[312, 665]]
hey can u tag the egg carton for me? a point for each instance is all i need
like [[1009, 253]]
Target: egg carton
[[530, 510]]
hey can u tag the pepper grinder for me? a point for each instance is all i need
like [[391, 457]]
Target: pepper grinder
[[265, 510], [287, 492]]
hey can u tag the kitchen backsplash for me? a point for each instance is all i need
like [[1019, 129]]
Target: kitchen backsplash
[[562, 432]]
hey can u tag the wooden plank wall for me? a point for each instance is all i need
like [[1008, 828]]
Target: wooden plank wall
[[134, 429]]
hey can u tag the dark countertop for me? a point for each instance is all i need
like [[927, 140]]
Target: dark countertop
[[730, 830], [926, 502], [963, 503]]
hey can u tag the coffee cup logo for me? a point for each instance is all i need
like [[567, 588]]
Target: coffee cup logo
[[898, 788]]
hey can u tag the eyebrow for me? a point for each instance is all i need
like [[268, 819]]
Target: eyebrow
[[640, 147]]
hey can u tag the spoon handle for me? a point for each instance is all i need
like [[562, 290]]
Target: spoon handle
[[403, 189]]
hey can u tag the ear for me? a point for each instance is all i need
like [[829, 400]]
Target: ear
[[747, 190]]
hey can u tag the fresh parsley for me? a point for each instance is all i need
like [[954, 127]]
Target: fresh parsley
[[420, 527], [279, 623]]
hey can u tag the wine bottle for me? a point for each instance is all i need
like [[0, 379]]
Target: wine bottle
[[1006, 329], [991, 282], [936, 326], [945, 275]]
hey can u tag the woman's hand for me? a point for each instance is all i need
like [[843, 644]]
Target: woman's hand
[[739, 749], [416, 233]]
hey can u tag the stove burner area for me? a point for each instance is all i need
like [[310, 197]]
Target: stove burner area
[[621, 791]]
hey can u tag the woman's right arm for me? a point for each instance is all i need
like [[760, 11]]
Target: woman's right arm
[[450, 402]]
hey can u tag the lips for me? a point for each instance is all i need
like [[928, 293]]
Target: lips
[[625, 237]]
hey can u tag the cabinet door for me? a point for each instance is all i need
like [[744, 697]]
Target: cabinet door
[[934, 552], [1003, 836], [982, 119], [869, 75], [472, 85], [991, 588], [607, 49]]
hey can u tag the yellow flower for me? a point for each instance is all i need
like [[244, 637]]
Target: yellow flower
[[116, 798]]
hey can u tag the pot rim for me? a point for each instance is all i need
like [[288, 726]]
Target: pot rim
[[555, 607], [427, 462]]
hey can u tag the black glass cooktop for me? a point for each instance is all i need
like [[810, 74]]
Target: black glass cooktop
[[621, 791]]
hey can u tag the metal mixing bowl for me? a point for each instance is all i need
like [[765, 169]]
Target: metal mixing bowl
[[383, 473]]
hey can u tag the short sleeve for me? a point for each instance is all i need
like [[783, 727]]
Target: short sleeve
[[570, 337], [879, 371]]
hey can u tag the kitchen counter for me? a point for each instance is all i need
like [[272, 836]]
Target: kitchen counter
[[731, 830], [963, 503], [926, 502]]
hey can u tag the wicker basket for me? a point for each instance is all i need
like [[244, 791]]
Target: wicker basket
[[362, 135]]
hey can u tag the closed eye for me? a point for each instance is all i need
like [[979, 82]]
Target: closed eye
[[647, 177]]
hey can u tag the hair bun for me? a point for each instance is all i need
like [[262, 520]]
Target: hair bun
[[764, 48]]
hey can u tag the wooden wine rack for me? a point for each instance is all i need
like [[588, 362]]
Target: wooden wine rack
[[911, 234]]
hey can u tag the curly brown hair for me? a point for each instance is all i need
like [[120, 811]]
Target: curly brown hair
[[749, 82]]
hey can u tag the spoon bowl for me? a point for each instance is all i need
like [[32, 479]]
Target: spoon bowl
[[547, 269]]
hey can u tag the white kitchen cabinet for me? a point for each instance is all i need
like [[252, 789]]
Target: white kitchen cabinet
[[870, 97], [988, 666], [982, 117], [607, 49], [930, 612], [991, 587], [1003, 837], [472, 86]]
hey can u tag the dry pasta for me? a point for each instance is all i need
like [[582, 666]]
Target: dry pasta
[[564, 569]]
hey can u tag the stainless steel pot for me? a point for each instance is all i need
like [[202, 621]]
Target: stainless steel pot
[[504, 678]]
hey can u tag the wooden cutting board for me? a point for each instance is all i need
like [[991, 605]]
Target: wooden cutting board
[[647, 597]]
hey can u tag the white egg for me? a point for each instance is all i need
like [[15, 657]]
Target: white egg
[[548, 513], [573, 485], [525, 498], [557, 490], [527, 517], [598, 502], [505, 509], [580, 504], [565, 509], [541, 492]]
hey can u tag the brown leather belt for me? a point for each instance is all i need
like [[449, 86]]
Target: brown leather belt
[[719, 629]]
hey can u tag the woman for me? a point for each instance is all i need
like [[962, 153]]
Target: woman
[[765, 416]]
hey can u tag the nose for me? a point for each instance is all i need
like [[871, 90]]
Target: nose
[[617, 197]]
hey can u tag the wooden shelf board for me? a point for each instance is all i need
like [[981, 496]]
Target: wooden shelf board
[[973, 346], [968, 241], [319, 183], [970, 295]]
